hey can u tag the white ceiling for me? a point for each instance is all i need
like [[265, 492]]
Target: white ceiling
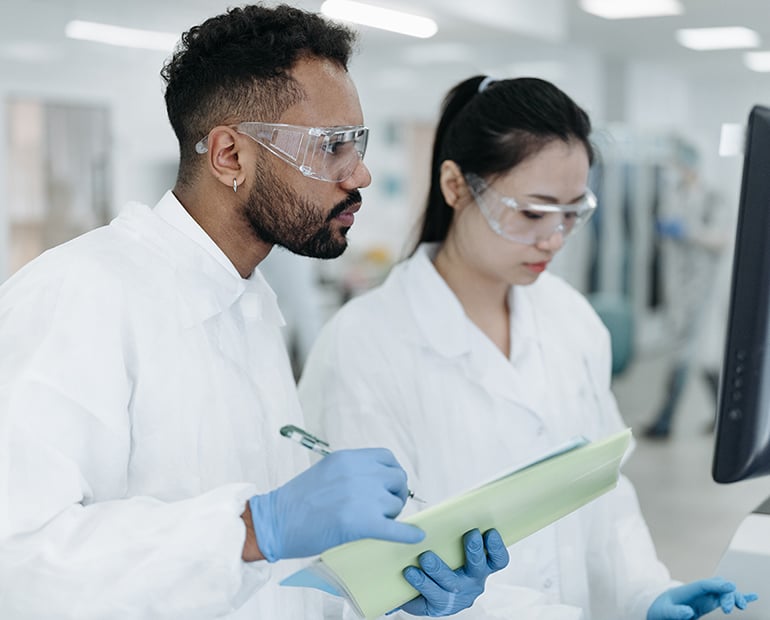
[[32, 30]]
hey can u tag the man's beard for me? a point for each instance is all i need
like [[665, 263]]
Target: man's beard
[[278, 215]]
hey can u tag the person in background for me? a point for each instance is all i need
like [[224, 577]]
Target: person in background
[[471, 356], [695, 231], [143, 378]]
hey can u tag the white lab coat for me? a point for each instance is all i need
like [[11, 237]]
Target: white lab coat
[[403, 367], [695, 288], [142, 386], [295, 282]]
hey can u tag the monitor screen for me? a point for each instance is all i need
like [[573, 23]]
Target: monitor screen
[[742, 448]]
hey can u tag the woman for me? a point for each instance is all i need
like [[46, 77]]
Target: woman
[[471, 356]]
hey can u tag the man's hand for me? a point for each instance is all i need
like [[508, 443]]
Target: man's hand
[[348, 495]]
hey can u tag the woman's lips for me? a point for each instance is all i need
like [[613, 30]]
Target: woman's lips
[[537, 267]]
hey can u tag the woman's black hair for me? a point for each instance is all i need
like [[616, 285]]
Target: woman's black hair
[[492, 131], [234, 67]]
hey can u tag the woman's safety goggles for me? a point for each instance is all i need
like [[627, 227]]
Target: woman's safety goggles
[[529, 223], [324, 153]]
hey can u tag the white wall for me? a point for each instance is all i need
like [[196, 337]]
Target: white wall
[[4, 249], [142, 138], [728, 103]]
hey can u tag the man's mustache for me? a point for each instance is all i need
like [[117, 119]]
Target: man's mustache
[[354, 198]]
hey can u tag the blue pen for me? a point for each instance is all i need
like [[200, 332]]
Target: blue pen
[[311, 442]]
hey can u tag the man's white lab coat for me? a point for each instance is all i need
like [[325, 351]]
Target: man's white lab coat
[[403, 367], [142, 386]]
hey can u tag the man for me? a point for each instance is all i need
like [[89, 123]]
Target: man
[[143, 378]]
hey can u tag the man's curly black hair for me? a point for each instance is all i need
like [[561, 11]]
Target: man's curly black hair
[[233, 67]]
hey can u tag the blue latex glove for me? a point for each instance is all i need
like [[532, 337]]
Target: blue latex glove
[[672, 227], [347, 495], [698, 598], [444, 591]]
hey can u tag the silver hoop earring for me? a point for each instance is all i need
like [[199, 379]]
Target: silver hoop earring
[[235, 185]]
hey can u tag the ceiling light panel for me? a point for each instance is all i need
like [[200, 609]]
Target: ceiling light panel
[[379, 17], [729, 38], [631, 9], [757, 61], [123, 37]]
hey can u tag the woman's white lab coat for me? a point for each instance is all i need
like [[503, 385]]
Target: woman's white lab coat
[[403, 367], [142, 386]]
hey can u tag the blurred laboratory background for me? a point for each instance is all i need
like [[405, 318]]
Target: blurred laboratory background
[[84, 132]]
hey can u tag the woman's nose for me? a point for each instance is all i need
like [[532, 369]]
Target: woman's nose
[[552, 242]]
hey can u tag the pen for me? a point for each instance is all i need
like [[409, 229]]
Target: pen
[[311, 442]]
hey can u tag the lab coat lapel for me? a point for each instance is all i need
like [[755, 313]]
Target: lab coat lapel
[[446, 329], [258, 301], [243, 313], [439, 316], [489, 368], [208, 282], [518, 379], [572, 396]]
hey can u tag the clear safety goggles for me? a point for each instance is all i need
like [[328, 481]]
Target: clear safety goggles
[[324, 153], [529, 223]]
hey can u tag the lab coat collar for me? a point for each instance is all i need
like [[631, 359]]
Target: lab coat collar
[[442, 322], [439, 314], [441, 317], [209, 282]]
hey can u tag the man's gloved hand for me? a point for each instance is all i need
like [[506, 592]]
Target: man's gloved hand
[[347, 495], [698, 598], [671, 227], [444, 591]]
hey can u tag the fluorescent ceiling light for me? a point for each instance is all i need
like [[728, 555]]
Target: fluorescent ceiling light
[[628, 9], [731, 139], [757, 61], [717, 38], [378, 17], [123, 37]]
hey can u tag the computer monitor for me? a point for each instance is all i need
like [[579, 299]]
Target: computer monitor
[[742, 447]]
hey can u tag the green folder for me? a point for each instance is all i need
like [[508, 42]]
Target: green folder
[[518, 503]]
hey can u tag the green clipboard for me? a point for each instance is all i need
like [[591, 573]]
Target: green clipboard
[[517, 503]]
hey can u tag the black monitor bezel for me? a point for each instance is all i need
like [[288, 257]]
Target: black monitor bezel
[[742, 445]]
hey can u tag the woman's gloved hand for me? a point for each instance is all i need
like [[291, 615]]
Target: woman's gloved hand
[[347, 495], [698, 598], [444, 591]]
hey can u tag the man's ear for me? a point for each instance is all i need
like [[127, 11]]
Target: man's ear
[[224, 157], [452, 183]]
